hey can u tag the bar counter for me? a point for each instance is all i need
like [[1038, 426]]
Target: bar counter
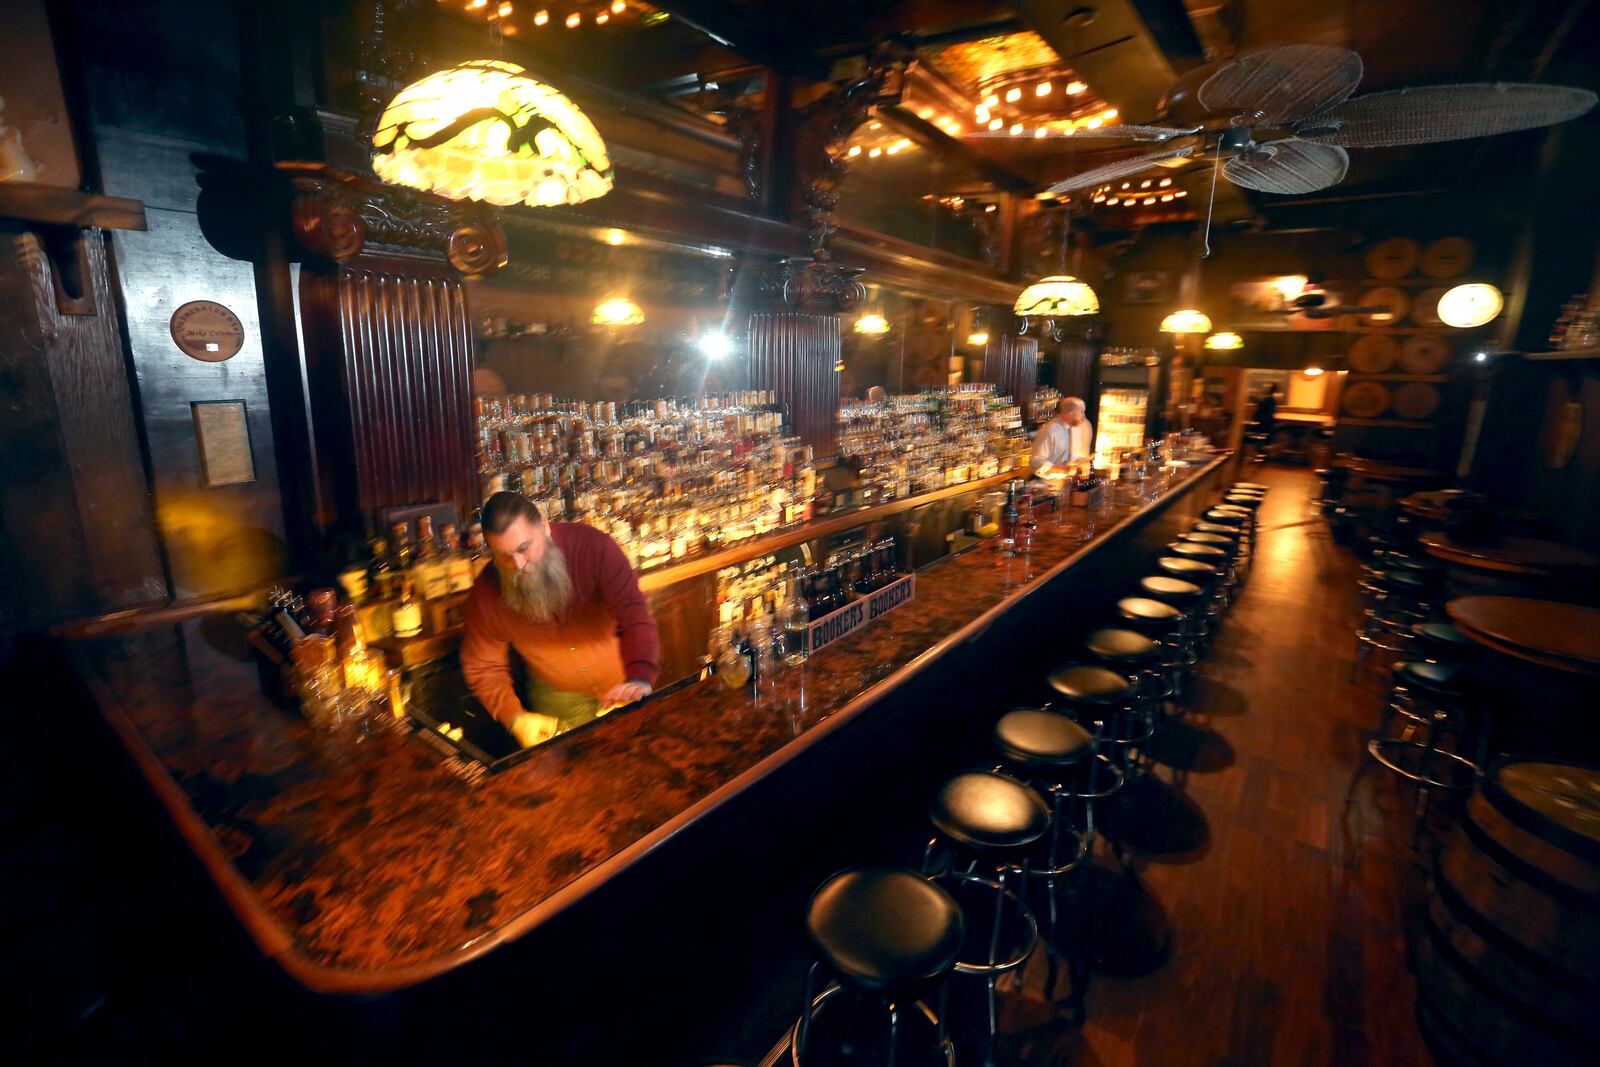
[[363, 867]]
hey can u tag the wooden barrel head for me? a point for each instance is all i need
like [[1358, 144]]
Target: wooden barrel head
[[1425, 306], [1364, 400], [1425, 353], [1392, 302], [1447, 257], [1416, 400], [1394, 257], [1373, 353]]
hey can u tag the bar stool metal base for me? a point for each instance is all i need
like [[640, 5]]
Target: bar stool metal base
[[906, 1031]]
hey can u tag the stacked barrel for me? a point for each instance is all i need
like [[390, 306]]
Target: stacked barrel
[[1508, 965]]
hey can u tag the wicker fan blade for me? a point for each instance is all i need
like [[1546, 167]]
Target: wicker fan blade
[[1276, 85], [1142, 134], [1120, 169], [1445, 113], [1287, 167]]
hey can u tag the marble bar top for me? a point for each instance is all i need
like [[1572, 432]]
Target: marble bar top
[[365, 866]]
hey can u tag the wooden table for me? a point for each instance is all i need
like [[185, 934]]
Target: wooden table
[[1379, 471], [1529, 556], [1436, 505], [1547, 633]]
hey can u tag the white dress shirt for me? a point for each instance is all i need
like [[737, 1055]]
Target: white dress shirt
[[1058, 444]]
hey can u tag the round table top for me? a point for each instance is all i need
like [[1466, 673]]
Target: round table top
[[1519, 555], [1380, 471], [1565, 637], [1437, 504]]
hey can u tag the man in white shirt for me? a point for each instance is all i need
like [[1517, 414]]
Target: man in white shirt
[[1065, 439]]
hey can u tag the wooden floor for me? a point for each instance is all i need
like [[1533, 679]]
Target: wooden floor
[[1287, 918]]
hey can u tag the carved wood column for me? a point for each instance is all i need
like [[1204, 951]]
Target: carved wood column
[[795, 332], [388, 343], [1010, 363]]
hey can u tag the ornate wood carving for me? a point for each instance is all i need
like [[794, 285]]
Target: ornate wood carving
[[746, 124], [337, 216], [824, 127], [815, 285], [1010, 362]]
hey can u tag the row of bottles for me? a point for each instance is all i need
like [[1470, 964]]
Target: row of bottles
[[912, 443], [667, 479], [392, 586]]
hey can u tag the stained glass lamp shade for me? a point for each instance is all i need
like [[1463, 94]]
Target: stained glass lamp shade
[[1058, 296], [487, 131], [1186, 321]]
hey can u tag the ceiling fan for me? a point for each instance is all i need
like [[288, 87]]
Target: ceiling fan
[[1279, 120]]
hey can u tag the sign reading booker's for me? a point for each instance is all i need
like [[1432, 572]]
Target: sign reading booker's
[[858, 613], [207, 331]]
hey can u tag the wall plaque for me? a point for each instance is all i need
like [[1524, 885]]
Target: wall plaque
[[207, 331], [223, 435]]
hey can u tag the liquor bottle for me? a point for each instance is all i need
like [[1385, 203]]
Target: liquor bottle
[[429, 571], [407, 618], [1010, 515], [1026, 528], [353, 580], [794, 619], [477, 551], [382, 581], [458, 565], [400, 554]]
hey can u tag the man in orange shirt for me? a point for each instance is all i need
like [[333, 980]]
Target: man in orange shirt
[[563, 595]]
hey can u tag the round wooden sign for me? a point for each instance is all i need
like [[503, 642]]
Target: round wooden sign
[[1416, 400], [1393, 258], [1365, 400], [1447, 257], [1373, 353], [1392, 301], [1425, 307], [1424, 354], [207, 331]]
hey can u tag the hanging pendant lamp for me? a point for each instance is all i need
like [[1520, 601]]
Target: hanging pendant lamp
[[487, 131], [1186, 321], [1058, 296]]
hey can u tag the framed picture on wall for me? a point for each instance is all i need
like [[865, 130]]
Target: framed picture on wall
[[1147, 286]]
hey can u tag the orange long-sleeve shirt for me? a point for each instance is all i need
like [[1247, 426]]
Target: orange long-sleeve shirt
[[605, 637]]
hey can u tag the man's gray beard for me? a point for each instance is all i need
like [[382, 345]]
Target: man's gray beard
[[539, 591]]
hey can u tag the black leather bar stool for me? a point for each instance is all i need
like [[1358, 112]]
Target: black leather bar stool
[[1396, 601], [1189, 598], [1256, 486], [1441, 642], [1094, 694], [1164, 623], [1203, 573], [883, 936], [1429, 695], [1133, 654], [1220, 558], [989, 821], [1060, 759]]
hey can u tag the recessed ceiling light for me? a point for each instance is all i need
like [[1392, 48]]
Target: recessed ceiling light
[[1074, 88], [1016, 128], [1042, 89], [995, 124], [1013, 95]]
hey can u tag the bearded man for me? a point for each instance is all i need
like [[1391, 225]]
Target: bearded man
[[563, 595]]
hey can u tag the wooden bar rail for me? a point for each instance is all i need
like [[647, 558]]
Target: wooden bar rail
[[365, 867]]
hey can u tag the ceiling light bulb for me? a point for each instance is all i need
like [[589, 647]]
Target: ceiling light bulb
[[1099, 198], [978, 338], [1165, 182], [476, 4], [1312, 372], [1042, 89], [991, 101], [573, 20], [982, 114], [875, 153], [602, 18], [1040, 132], [1013, 95], [714, 345], [615, 237], [892, 149], [1149, 200], [925, 113], [1166, 198], [855, 150], [991, 207], [1094, 123], [618, 7], [1124, 185], [1109, 113], [504, 10], [1016, 128], [1145, 184], [1113, 202], [874, 125], [995, 124], [541, 17], [1181, 193], [1074, 88]]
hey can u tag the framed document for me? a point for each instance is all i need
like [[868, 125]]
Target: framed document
[[223, 436]]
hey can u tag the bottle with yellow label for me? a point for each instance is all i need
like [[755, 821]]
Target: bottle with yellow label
[[429, 571], [406, 620], [457, 565]]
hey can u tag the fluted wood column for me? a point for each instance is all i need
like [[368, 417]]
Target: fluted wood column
[[795, 354], [1010, 364]]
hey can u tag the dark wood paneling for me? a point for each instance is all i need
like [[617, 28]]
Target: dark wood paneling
[[389, 364], [1010, 364], [75, 525], [794, 353]]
